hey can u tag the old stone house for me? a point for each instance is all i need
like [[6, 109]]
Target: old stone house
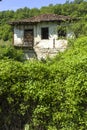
[[38, 35]]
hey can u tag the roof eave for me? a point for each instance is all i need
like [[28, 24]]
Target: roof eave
[[35, 22]]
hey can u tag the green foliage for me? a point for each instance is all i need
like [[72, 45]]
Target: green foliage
[[46, 96], [78, 1], [5, 32], [61, 31], [79, 28], [9, 52]]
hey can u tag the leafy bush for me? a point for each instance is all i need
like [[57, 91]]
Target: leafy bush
[[8, 51], [46, 96], [61, 31]]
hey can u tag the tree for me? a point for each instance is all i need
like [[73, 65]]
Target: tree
[[67, 2], [78, 1]]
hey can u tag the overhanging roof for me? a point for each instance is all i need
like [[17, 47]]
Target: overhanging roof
[[41, 18]]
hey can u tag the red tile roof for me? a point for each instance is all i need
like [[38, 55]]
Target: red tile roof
[[41, 18]]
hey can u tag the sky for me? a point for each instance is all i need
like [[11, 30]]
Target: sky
[[16, 4]]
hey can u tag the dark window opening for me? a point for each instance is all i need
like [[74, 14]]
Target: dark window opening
[[44, 33]]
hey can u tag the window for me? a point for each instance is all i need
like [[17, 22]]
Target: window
[[45, 33]]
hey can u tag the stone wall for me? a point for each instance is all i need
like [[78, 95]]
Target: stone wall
[[45, 49]]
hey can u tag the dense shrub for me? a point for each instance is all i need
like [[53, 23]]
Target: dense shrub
[[8, 51], [45, 96]]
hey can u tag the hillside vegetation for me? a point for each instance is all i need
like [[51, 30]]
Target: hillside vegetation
[[46, 95]]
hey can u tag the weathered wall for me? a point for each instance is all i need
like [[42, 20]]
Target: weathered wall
[[45, 49], [18, 36], [52, 31], [19, 32]]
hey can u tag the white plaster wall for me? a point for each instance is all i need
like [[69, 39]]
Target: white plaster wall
[[49, 44], [52, 31], [18, 36], [19, 32]]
